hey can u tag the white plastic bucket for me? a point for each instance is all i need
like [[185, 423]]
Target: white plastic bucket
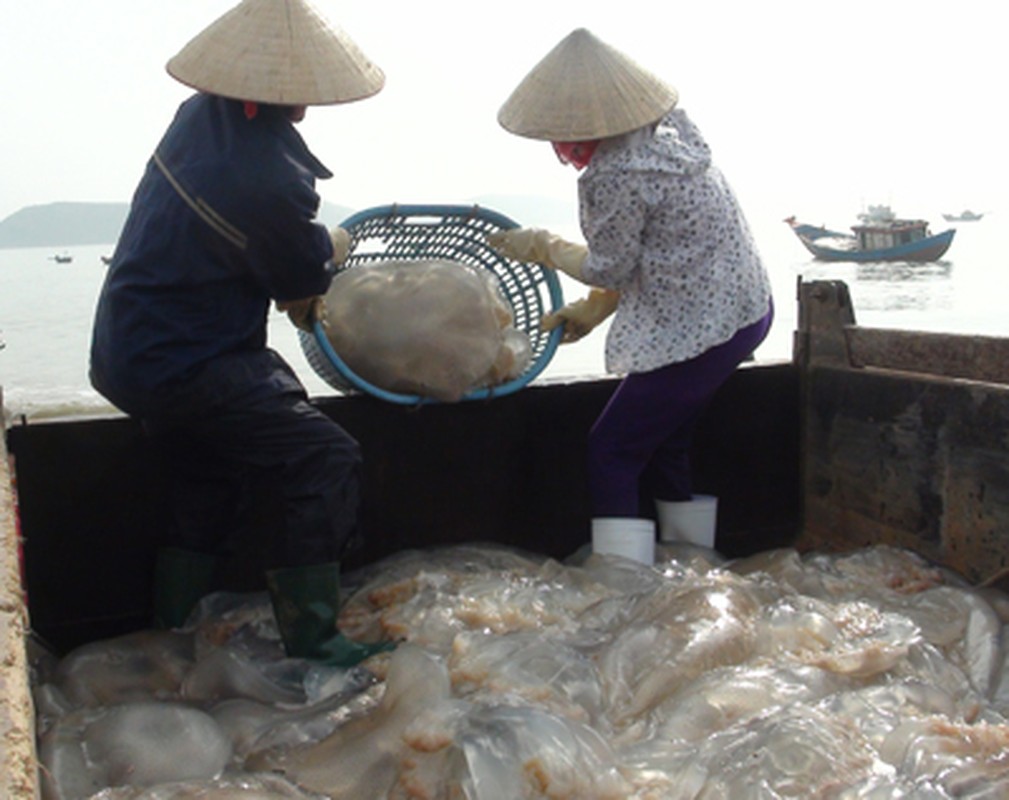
[[693, 521], [629, 537]]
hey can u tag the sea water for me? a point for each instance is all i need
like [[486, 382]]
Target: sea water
[[46, 310]]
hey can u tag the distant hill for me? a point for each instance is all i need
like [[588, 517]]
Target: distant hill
[[77, 224], [68, 224], [63, 225]]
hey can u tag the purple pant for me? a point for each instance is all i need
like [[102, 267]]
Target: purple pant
[[644, 432]]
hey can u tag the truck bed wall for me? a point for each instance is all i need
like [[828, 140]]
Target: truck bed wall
[[866, 437], [905, 438], [511, 470]]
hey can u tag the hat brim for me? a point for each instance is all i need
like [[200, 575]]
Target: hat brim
[[585, 89], [276, 51]]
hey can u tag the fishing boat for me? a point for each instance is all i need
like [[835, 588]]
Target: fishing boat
[[964, 216], [62, 258], [879, 236], [863, 437]]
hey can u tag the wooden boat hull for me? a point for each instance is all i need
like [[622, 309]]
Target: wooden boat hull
[[931, 248]]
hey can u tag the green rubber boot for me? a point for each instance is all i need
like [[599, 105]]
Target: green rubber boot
[[181, 579], [306, 603]]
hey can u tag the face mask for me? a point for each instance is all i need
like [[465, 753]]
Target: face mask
[[578, 154]]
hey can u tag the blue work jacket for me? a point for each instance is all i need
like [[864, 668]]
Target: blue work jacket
[[222, 222]]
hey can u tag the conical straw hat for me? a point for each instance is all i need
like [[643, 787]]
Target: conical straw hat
[[585, 89], [276, 51]]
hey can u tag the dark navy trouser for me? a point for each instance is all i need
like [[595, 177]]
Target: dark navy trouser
[[243, 427], [644, 432]]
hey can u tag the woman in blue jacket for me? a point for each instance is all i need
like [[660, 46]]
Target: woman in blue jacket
[[221, 224]]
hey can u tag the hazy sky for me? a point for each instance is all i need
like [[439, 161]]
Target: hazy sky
[[811, 107]]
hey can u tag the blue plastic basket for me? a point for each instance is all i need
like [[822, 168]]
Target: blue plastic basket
[[455, 233]]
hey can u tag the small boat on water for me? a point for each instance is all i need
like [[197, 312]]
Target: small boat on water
[[879, 236], [62, 258], [964, 216]]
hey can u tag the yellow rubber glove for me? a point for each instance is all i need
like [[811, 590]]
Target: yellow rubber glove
[[341, 245], [542, 246], [581, 316], [304, 312]]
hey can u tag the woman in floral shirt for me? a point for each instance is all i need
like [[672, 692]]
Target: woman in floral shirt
[[668, 249]]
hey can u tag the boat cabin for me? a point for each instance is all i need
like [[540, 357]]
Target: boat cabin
[[893, 233]]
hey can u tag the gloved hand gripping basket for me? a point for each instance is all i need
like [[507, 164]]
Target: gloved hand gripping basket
[[418, 233]]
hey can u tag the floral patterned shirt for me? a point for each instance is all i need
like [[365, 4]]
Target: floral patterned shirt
[[665, 229]]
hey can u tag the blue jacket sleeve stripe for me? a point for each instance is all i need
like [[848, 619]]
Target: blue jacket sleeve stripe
[[203, 210]]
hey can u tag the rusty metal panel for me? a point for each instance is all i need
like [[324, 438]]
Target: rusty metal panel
[[825, 312], [828, 335], [978, 358], [905, 437], [912, 461]]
